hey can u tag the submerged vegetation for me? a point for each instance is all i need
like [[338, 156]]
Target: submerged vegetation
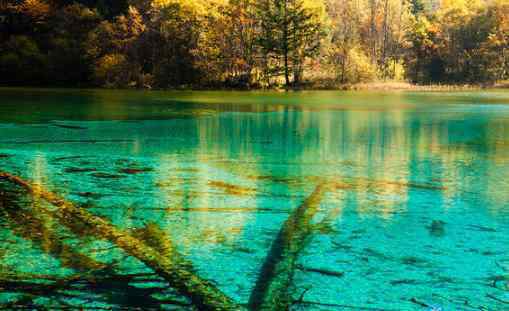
[[252, 210], [23, 205], [252, 44], [158, 254], [52, 222]]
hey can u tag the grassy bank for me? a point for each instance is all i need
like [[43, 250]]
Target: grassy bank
[[407, 86]]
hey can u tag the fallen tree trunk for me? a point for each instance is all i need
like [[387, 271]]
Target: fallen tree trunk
[[271, 291], [175, 269], [36, 226]]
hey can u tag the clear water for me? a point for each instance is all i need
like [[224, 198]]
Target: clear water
[[415, 215]]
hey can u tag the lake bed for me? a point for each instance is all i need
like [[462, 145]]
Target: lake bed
[[358, 200]]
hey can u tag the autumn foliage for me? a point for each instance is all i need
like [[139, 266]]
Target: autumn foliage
[[252, 43]]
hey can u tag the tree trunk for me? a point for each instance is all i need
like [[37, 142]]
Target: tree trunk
[[174, 269], [286, 44], [271, 291]]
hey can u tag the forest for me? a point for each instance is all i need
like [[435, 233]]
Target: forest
[[250, 44]]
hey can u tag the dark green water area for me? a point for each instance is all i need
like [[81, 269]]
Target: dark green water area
[[125, 200]]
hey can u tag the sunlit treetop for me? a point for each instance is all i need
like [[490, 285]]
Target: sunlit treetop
[[198, 7], [36, 9]]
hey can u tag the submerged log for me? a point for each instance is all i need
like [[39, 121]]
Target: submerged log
[[134, 171], [33, 228], [271, 291], [175, 269], [231, 189], [35, 224], [70, 127], [325, 272]]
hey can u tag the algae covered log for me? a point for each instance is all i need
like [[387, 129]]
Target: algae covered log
[[175, 269], [271, 291], [35, 225]]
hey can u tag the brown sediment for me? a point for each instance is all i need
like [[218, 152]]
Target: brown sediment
[[272, 289], [174, 269], [172, 182], [342, 186], [187, 170], [231, 188]]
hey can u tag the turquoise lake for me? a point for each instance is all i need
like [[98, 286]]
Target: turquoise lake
[[407, 197]]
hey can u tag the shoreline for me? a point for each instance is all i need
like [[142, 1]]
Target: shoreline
[[407, 86], [369, 86]]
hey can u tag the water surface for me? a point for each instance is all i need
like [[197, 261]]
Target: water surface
[[414, 212]]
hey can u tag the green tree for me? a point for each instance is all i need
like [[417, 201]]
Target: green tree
[[171, 44], [417, 7], [22, 62], [68, 59], [291, 32]]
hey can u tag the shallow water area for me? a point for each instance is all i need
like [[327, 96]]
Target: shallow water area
[[359, 200]]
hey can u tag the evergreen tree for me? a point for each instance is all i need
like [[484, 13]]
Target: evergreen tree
[[291, 32]]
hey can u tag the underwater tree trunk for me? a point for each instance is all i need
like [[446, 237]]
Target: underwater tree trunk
[[271, 291], [34, 225], [175, 269]]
